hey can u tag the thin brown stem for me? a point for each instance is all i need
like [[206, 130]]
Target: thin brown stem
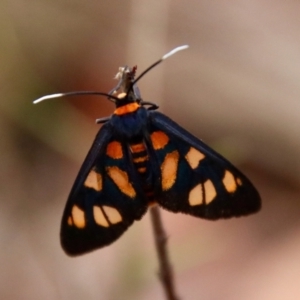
[[165, 272]]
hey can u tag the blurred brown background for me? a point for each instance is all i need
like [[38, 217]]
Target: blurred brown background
[[237, 87]]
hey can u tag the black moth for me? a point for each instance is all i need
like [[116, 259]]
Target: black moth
[[140, 157]]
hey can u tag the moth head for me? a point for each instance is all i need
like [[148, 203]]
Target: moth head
[[126, 90]]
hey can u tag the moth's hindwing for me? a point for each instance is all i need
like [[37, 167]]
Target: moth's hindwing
[[105, 200], [194, 178]]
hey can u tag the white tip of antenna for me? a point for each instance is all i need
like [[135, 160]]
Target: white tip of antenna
[[47, 97], [174, 51]]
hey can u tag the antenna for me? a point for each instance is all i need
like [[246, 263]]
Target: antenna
[[167, 55], [59, 95], [110, 97]]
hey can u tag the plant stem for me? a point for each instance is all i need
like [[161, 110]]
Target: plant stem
[[165, 272]]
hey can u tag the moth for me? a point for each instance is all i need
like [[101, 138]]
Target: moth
[[141, 157]]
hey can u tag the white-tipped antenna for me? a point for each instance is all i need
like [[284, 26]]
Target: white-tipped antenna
[[59, 95], [110, 97], [167, 55], [47, 97], [174, 51]]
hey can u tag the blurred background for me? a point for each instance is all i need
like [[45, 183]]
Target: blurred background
[[236, 87]]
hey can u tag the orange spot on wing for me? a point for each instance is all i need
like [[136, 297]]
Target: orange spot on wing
[[109, 217], [78, 217], [114, 150], [169, 170], [126, 109], [193, 157], [99, 217], [120, 178], [94, 181], [113, 215], [159, 140], [210, 191], [196, 195], [239, 181], [70, 222], [229, 182]]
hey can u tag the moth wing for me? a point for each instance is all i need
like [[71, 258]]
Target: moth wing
[[105, 199], [194, 179]]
